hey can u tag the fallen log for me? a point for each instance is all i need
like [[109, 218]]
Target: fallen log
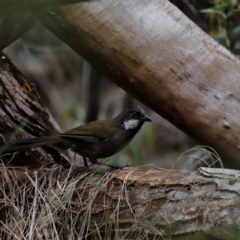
[[130, 203]]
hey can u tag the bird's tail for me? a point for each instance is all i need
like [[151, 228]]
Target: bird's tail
[[18, 144]]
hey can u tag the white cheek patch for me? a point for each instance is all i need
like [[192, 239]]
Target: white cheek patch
[[130, 124]]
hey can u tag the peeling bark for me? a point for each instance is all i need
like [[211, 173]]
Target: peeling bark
[[186, 201]]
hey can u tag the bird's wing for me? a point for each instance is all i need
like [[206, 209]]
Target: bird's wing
[[92, 132], [81, 137]]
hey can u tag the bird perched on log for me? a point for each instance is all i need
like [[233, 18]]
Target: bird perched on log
[[97, 139]]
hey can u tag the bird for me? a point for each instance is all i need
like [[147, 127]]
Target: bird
[[94, 140]]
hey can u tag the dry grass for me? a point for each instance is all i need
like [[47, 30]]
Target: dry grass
[[58, 203], [200, 156], [38, 205]]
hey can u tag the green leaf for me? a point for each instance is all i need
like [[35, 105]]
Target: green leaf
[[149, 137], [215, 10], [234, 36]]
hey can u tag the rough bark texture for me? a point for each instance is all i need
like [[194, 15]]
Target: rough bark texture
[[134, 204], [22, 114], [186, 201], [155, 53]]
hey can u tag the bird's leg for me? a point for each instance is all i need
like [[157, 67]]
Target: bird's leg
[[85, 162], [95, 161]]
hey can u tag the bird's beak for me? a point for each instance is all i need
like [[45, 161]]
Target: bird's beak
[[146, 118]]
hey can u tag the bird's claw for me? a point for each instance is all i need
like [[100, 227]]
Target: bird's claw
[[117, 167]]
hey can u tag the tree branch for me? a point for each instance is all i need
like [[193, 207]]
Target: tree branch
[[155, 53]]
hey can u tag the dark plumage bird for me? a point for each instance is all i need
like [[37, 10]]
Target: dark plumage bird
[[98, 139]]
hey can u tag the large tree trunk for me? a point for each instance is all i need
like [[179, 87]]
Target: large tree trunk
[[155, 53], [129, 204]]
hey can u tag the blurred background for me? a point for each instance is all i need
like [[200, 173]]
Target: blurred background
[[76, 93]]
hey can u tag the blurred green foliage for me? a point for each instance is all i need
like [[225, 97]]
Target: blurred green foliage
[[71, 110], [149, 137], [223, 18]]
